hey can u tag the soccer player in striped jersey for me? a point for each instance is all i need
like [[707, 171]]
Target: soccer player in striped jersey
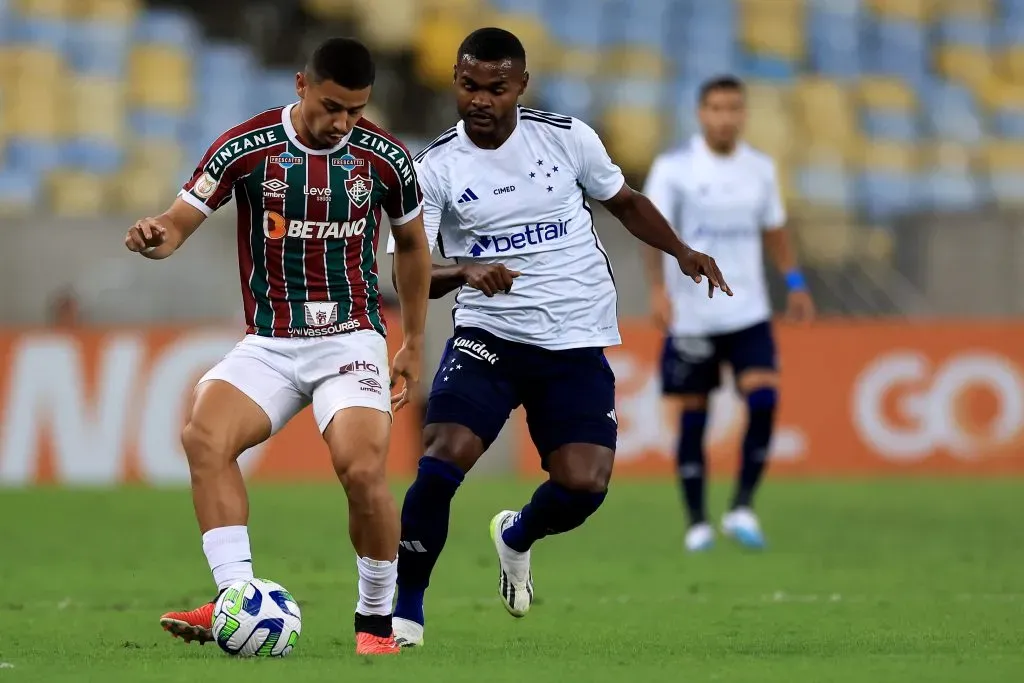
[[504, 193], [311, 182]]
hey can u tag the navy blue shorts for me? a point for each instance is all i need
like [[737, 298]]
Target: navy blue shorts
[[693, 364], [569, 396]]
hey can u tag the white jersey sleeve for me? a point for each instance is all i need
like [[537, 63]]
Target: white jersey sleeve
[[774, 215], [596, 172], [661, 191], [433, 205]]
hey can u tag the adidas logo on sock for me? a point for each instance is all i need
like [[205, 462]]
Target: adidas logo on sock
[[413, 546], [467, 196]]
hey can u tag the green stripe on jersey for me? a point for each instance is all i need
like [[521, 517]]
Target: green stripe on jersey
[[258, 284], [339, 287], [372, 288], [295, 249]]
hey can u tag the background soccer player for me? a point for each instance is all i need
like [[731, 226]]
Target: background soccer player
[[505, 193], [722, 196], [311, 181]]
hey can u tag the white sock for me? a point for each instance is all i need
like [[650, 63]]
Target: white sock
[[377, 580], [227, 551]]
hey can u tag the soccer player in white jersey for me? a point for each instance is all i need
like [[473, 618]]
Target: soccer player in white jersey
[[722, 196], [504, 192]]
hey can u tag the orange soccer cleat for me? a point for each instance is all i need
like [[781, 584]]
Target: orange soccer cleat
[[196, 624], [369, 644]]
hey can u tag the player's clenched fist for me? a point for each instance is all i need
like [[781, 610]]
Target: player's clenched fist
[[145, 234], [490, 278]]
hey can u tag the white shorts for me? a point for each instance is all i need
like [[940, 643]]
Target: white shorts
[[283, 375]]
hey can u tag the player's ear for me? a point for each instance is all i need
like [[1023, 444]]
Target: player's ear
[[526, 82], [455, 73], [300, 84]]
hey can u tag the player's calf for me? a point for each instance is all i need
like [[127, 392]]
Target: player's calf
[[451, 449], [358, 440], [579, 483], [759, 388], [690, 464]]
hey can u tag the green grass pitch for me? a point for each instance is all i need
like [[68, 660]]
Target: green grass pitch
[[870, 582]]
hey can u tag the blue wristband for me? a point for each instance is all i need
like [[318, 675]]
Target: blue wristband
[[795, 281]]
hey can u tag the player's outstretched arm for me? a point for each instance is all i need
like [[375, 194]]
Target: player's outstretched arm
[[158, 237], [639, 215]]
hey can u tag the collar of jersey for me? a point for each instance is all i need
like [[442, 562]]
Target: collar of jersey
[[701, 145], [460, 128], [293, 137]]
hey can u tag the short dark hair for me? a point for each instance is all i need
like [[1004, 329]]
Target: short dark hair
[[726, 82], [492, 45], [346, 61]]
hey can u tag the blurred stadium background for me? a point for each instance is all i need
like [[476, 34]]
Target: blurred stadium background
[[897, 125], [898, 128]]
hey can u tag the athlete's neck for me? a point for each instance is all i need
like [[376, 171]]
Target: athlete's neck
[[301, 132], [502, 131], [720, 149]]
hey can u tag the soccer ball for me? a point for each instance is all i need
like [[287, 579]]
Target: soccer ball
[[256, 618]]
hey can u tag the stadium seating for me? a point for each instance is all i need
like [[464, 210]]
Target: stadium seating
[[871, 108]]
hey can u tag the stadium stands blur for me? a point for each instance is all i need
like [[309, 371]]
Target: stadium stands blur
[[873, 109]]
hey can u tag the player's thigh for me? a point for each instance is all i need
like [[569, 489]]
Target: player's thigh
[[239, 403], [346, 371], [472, 393], [690, 369], [754, 358], [569, 398]]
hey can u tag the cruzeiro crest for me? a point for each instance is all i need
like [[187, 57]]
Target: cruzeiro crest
[[359, 189]]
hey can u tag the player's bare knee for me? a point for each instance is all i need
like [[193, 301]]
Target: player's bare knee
[[453, 444], [363, 476], [753, 380], [582, 469], [206, 448], [693, 402]]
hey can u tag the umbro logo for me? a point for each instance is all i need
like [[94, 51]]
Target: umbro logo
[[467, 196], [370, 384], [274, 188]]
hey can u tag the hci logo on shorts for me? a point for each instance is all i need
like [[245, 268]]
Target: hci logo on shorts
[[476, 349], [358, 366]]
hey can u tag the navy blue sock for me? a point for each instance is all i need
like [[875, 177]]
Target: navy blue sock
[[425, 514], [553, 509], [690, 462], [761, 409]]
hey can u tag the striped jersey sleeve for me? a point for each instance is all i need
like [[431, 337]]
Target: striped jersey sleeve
[[228, 158]]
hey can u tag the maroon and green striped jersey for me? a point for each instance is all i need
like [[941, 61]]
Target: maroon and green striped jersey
[[308, 221]]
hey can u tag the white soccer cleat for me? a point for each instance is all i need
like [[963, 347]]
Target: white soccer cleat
[[407, 633], [700, 537], [742, 525], [515, 581]]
